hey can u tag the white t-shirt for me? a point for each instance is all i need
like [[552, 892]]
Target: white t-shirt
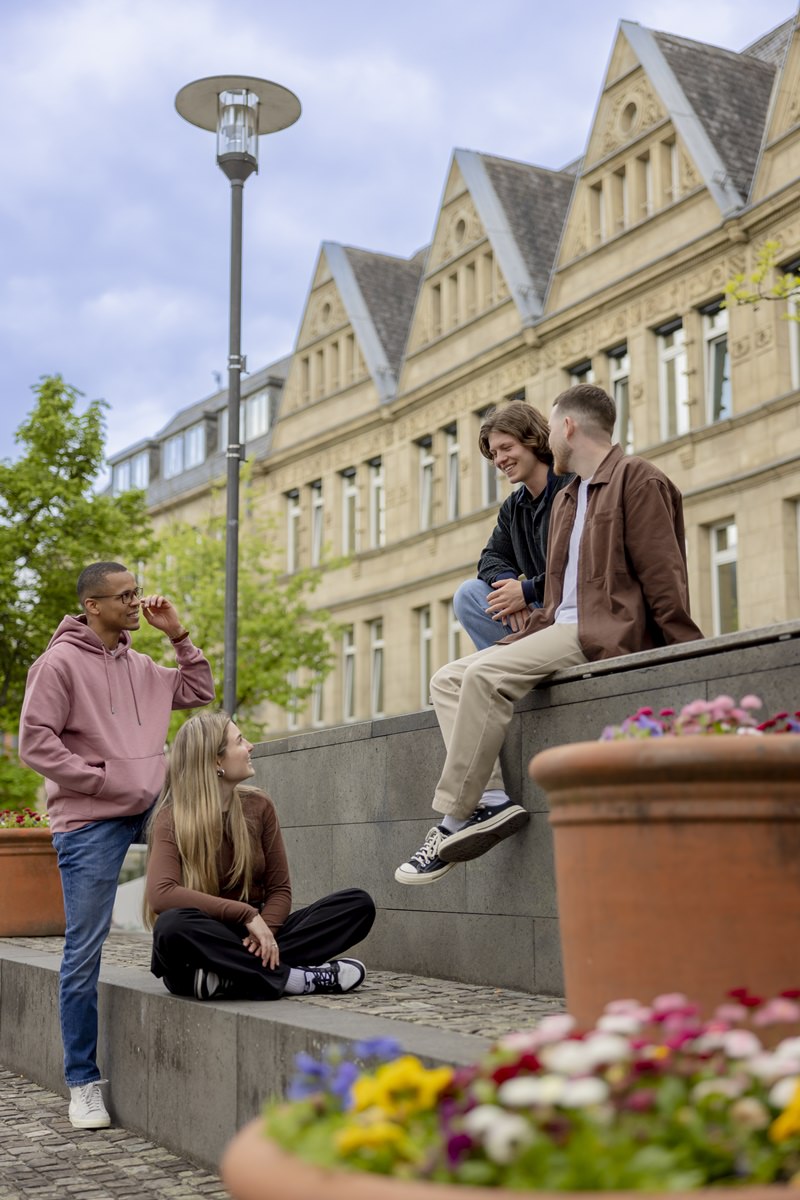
[[567, 611]]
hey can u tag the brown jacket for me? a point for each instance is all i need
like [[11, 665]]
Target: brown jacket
[[270, 888], [632, 588]]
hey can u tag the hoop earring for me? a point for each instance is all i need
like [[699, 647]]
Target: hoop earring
[[220, 772]]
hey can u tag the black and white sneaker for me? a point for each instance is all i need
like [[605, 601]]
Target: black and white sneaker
[[209, 986], [427, 865], [485, 828], [337, 976]]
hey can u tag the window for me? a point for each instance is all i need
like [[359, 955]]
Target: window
[[597, 212], [794, 338], [257, 415], [173, 456], [452, 299], [425, 655], [140, 470], [376, 661], [644, 186], [194, 451], [292, 530], [318, 703], [717, 363], [292, 721], [619, 199], [453, 634], [670, 173], [377, 505], [349, 511], [121, 477], [317, 522], [723, 577], [581, 373], [305, 379], [619, 367], [436, 309], [673, 388], [453, 481], [426, 468], [348, 674], [490, 475]]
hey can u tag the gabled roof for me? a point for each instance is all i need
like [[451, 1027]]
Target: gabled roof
[[730, 94], [771, 47], [522, 209], [378, 292]]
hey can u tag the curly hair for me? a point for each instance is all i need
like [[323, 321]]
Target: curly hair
[[521, 421]]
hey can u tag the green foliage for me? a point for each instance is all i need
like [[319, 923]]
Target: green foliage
[[278, 632], [754, 287], [19, 786], [52, 524]]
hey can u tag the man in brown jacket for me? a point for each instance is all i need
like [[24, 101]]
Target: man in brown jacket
[[615, 583]]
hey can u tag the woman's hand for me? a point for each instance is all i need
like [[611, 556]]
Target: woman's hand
[[260, 941]]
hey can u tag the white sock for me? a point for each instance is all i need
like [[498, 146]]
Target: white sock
[[452, 824], [494, 797], [296, 983]]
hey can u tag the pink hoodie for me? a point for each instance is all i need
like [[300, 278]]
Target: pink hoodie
[[94, 722]]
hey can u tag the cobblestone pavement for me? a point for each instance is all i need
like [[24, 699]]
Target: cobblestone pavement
[[43, 1157]]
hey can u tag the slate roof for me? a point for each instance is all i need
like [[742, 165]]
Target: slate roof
[[771, 47], [389, 286], [535, 201], [730, 94]]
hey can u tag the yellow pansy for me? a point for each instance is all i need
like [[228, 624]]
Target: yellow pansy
[[788, 1123], [373, 1136], [401, 1087]]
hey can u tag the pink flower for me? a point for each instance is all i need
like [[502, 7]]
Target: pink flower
[[669, 1001], [777, 1010], [730, 1013], [750, 701]]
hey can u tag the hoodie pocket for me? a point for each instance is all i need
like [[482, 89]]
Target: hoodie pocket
[[133, 779]]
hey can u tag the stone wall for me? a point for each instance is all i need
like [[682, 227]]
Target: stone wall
[[354, 802]]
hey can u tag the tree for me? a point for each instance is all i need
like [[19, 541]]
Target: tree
[[52, 523], [279, 634], [752, 288]]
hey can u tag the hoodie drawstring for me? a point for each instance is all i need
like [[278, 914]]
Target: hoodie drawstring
[[133, 690], [108, 682]]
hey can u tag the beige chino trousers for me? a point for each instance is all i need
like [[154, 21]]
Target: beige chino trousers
[[474, 702]]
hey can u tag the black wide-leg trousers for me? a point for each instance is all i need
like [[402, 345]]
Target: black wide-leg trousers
[[186, 938]]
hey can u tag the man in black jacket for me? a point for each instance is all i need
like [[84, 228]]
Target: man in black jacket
[[511, 568]]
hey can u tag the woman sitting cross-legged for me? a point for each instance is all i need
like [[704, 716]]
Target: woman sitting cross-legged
[[218, 879]]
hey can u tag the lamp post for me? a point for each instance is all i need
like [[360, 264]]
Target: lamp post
[[240, 109]]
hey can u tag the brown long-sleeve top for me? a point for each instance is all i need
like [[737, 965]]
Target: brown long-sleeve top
[[271, 889]]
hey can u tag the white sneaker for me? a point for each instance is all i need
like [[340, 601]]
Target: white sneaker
[[86, 1107]]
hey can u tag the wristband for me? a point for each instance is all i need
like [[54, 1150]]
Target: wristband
[[180, 637]]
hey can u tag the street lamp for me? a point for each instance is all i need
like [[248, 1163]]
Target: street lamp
[[240, 109]]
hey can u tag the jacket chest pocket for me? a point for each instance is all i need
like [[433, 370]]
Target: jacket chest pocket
[[603, 546]]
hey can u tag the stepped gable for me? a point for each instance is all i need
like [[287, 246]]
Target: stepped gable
[[730, 94], [389, 287], [535, 201], [771, 47]]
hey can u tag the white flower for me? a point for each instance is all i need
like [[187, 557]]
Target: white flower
[[521, 1040], [770, 1067], [783, 1091], [788, 1048], [606, 1047], [582, 1093], [750, 1113], [526, 1090], [623, 1023], [555, 1026], [479, 1119], [718, 1087], [740, 1043], [506, 1137], [567, 1058]]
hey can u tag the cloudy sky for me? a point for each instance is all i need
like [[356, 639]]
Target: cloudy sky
[[113, 213]]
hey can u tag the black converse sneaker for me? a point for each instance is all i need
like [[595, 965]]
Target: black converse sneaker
[[484, 829], [209, 986], [426, 866], [339, 975]]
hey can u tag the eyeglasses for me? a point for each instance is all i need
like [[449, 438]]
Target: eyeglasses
[[125, 597]]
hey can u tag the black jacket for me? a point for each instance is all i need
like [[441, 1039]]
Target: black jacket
[[518, 545]]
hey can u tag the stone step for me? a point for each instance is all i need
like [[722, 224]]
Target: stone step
[[187, 1074]]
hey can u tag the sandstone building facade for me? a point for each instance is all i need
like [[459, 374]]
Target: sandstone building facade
[[612, 270]]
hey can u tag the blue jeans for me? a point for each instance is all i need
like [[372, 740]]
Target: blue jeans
[[469, 604], [89, 860]]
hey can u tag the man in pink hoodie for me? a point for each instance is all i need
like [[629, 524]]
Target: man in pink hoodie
[[94, 722]]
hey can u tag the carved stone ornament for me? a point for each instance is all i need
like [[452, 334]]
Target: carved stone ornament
[[628, 113], [459, 228], [740, 348], [325, 312]]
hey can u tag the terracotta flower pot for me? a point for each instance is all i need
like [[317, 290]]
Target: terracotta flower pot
[[677, 866], [31, 901], [254, 1168]]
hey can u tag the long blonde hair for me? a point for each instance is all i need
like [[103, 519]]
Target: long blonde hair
[[191, 794]]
